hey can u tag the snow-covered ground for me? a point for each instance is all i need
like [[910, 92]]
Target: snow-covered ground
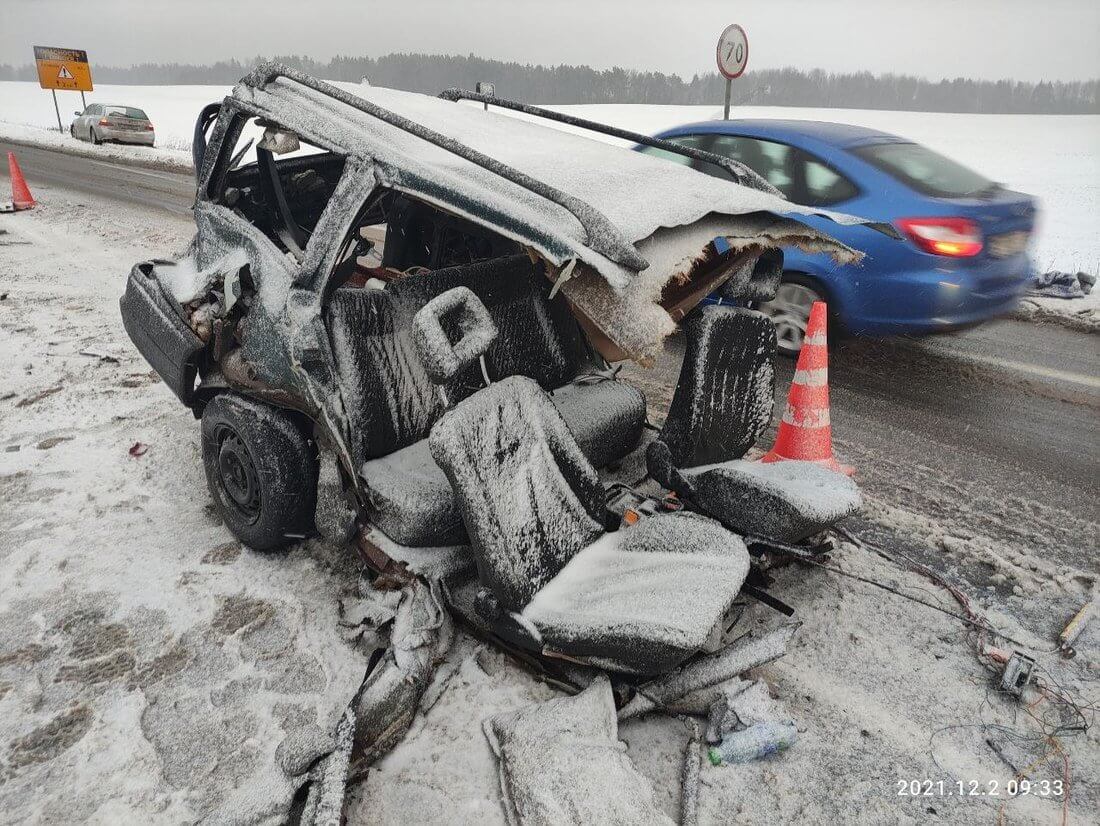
[[149, 666]]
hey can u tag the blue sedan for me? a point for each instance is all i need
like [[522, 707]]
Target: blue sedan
[[964, 258]]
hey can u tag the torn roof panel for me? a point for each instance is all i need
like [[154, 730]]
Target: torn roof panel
[[639, 195]]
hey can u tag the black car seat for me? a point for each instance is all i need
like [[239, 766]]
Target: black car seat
[[639, 600], [391, 402], [722, 404]]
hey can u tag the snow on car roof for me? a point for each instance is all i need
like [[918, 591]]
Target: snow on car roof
[[638, 194]]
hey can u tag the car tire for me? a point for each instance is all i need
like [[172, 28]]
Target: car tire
[[261, 468], [790, 310], [72, 130], [94, 137]]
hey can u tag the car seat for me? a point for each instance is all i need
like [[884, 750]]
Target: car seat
[[391, 403], [638, 600], [722, 404]]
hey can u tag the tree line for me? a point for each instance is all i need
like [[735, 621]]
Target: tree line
[[582, 84]]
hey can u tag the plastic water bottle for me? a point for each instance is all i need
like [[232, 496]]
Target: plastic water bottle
[[754, 742]]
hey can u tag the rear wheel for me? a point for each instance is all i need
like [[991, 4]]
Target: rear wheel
[[790, 311], [261, 468], [95, 138]]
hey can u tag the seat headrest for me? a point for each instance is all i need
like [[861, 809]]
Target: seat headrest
[[451, 332]]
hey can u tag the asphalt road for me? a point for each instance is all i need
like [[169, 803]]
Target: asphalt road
[[171, 191], [990, 433]]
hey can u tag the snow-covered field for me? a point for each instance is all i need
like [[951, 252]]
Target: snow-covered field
[[1054, 157]]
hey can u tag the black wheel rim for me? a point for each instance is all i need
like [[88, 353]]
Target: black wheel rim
[[237, 476]]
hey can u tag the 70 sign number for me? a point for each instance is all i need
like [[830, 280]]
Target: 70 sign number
[[733, 51]]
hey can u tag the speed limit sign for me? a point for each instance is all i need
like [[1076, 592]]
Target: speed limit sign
[[733, 52]]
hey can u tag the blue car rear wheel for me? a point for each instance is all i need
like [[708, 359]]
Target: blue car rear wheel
[[790, 312]]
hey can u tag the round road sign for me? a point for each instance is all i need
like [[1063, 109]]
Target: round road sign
[[733, 51]]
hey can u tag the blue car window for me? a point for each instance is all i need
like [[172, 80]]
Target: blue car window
[[775, 162], [925, 171], [693, 141], [824, 185]]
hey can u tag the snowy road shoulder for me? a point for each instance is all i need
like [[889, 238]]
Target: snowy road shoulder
[[149, 667], [149, 157]]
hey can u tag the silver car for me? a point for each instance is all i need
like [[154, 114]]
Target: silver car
[[101, 122]]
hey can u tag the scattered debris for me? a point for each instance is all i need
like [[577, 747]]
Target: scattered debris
[[562, 761], [1057, 284], [39, 396], [695, 686], [53, 441], [107, 357], [689, 779], [1018, 673], [740, 704], [325, 799], [1075, 628], [412, 633], [754, 742], [138, 449]]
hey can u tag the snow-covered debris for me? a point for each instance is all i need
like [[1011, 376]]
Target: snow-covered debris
[[1057, 284], [695, 686], [787, 501], [416, 638], [561, 762], [187, 282]]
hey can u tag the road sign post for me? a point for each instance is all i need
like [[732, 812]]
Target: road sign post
[[733, 56], [66, 69], [57, 111]]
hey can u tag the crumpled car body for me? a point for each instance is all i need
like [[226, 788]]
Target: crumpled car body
[[321, 304]]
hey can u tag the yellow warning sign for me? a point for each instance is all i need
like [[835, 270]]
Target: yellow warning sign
[[63, 68]]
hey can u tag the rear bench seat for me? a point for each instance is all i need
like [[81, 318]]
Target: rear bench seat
[[392, 404]]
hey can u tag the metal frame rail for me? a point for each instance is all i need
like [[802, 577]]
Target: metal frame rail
[[740, 173], [602, 235]]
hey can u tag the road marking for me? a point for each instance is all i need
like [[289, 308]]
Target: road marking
[[1021, 367], [161, 175]]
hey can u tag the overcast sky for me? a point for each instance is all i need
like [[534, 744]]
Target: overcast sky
[[1023, 39]]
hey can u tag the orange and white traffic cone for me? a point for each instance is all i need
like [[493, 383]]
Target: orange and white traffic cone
[[805, 432], [21, 197]]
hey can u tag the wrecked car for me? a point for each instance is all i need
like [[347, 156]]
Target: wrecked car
[[436, 295]]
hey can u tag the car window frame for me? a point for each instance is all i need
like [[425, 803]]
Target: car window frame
[[223, 142], [857, 190]]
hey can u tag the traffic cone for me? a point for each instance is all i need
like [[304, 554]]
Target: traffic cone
[[20, 193], [804, 431]]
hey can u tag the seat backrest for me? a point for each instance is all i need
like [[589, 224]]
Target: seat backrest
[[726, 390], [388, 394], [528, 496]]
